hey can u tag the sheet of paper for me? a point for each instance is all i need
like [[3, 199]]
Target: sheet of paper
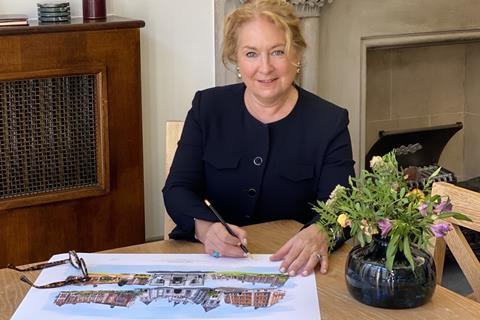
[[172, 286]]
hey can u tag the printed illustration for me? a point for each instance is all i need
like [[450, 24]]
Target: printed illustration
[[179, 287], [171, 286]]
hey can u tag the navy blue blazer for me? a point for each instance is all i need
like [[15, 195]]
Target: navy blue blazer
[[253, 172]]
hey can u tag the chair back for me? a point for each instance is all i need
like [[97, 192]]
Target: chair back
[[173, 133], [466, 202]]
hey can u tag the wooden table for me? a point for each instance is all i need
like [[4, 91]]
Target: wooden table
[[335, 301]]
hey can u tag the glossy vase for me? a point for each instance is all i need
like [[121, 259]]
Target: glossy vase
[[94, 9], [369, 281]]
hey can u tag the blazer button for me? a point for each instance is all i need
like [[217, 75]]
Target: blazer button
[[258, 161], [252, 192]]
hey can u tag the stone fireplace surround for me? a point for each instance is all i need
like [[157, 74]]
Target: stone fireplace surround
[[364, 48]]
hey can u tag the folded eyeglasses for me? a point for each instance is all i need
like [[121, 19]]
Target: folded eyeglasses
[[73, 259]]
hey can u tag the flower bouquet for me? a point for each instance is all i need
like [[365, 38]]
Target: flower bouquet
[[381, 203], [393, 224]]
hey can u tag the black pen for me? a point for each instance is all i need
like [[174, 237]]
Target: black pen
[[219, 217]]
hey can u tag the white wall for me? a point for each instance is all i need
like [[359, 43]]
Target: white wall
[[177, 47], [177, 59]]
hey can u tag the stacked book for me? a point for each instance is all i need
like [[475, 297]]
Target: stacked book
[[13, 20], [53, 12]]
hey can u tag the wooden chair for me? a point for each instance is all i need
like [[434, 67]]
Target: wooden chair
[[466, 202], [173, 133]]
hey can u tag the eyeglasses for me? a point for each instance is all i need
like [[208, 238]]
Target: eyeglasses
[[73, 259]]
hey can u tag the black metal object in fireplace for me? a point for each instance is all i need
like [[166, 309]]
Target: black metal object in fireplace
[[418, 150]]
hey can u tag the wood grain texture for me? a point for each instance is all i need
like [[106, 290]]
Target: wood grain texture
[[466, 202], [335, 301], [173, 131], [76, 24], [439, 257], [92, 223], [465, 257]]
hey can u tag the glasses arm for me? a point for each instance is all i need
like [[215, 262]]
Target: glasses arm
[[38, 266], [68, 281]]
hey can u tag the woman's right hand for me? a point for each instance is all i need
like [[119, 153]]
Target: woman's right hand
[[215, 237]]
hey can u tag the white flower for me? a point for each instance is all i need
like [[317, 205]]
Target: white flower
[[337, 191], [329, 202], [376, 162], [335, 194]]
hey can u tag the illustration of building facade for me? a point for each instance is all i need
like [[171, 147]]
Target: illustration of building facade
[[256, 298], [208, 298], [111, 298]]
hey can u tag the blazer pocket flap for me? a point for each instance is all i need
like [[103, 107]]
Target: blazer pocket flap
[[221, 160], [297, 172]]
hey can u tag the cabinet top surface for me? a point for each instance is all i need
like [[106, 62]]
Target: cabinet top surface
[[76, 24]]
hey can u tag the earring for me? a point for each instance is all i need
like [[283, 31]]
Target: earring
[[239, 75], [299, 66]]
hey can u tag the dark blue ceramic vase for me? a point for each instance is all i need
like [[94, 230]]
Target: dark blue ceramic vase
[[369, 281]]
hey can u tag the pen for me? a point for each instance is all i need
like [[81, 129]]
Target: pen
[[219, 217]]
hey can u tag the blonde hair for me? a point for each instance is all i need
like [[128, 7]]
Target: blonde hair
[[279, 12]]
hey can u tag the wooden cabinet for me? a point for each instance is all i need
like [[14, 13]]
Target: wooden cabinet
[[71, 171]]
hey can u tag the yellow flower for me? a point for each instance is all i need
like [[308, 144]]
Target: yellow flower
[[417, 193], [343, 220]]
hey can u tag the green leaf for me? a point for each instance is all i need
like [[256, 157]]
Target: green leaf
[[368, 238], [357, 206], [392, 251], [435, 173], [368, 193], [456, 215], [402, 192], [360, 239], [407, 252]]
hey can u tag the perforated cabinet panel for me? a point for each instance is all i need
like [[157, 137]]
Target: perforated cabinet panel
[[48, 135]]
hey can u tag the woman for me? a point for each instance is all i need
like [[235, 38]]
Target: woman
[[261, 150]]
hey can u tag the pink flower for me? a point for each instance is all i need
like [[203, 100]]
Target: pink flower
[[423, 209], [443, 206], [385, 226], [440, 229]]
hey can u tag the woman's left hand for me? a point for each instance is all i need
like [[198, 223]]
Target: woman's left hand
[[303, 252]]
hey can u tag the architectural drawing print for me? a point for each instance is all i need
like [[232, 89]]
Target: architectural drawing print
[[172, 286], [208, 298], [179, 287]]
